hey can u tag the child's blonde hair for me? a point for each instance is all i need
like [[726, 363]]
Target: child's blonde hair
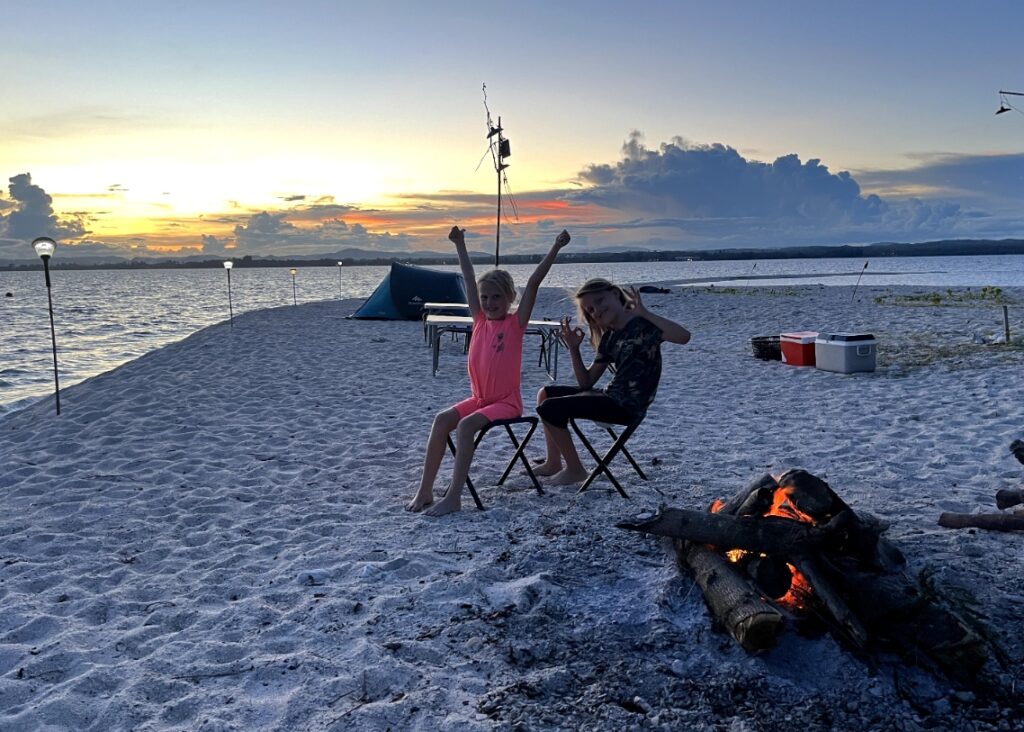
[[502, 279], [598, 284]]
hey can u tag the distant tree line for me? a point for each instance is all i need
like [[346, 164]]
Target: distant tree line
[[946, 247]]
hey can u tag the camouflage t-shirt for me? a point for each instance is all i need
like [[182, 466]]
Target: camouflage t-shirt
[[634, 356]]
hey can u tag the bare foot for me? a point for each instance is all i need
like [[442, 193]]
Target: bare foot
[[568, 477], [546, 469], [448, 504], [419, 502]]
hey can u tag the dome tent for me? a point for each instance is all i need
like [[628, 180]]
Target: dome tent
[[402, 292]]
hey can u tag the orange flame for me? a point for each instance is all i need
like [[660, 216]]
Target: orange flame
[[782, 505], [800, 592]]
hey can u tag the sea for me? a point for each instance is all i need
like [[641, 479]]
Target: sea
[[103, 318]]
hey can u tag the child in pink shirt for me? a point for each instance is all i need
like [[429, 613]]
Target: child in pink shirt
[[495, 367]]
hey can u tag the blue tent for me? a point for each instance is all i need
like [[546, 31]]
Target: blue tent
[[401, 294]]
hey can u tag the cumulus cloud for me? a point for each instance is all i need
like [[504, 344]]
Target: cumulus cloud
[[994, 181], [33, 215], [711, 194], [266, 233]]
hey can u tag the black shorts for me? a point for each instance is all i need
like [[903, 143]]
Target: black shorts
[[563, 402]]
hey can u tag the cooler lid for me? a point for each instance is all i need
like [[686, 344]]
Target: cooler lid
[[800, 336], [844, 337]]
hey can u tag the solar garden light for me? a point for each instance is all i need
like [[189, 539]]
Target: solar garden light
[[295, 298], [45, 247], [340, 291], [231, 311]]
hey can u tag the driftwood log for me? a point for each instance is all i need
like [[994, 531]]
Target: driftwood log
[[734, 603], [897, 612], [1009, 497], [991, 521], [1017, 448]]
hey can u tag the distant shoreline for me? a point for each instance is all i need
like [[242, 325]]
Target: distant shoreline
[[363, 258]]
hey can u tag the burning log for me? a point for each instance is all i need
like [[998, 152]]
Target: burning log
[[734, 603], [850, 625], [768, 535], [790, 547], [992, 521], [1009, 497], [771, 574], [753, 500]]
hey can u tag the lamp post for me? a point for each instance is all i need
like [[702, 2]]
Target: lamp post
[[231, 310], [295, 298], [45, 247], [340, 290]]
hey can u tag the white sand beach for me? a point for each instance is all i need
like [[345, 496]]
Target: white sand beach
[[213, 536]]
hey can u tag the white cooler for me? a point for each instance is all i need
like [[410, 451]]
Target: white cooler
[[845, 353]]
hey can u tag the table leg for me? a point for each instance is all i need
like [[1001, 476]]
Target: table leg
[[435, 347]]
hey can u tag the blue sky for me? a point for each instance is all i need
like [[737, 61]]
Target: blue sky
[[220, 128]]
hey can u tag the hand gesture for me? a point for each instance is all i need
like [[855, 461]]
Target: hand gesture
[[562, 239], [571, 337], [636, 303], [457, 236]]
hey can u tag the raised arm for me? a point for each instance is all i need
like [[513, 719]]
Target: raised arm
[[458, 238], [671, 331], [530, 296], [586, 377]]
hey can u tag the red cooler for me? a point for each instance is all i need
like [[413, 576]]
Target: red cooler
[[798, 347]]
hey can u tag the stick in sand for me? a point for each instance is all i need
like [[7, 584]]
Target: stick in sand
[[858, 282]]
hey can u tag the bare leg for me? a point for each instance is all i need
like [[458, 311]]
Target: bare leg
[[444, 422], [465, 433], [553, 457], [574, 471]]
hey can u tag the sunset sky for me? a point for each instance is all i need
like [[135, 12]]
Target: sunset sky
[[136, 128]]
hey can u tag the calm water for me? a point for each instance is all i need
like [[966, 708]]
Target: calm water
[[104, 318]]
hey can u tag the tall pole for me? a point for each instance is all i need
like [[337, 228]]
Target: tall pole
[[295, 298], [53, 333], [231, 309], [497, 231]]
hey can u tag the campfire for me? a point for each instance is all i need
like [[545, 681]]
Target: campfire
[[789, 549]]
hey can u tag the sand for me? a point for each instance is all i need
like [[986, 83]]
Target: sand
[[213, 536]]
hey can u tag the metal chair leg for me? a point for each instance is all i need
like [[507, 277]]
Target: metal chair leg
[[520, 455], [625, 454]]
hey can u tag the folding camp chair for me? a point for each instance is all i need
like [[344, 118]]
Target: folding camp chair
[[519, 453], [618, 445]]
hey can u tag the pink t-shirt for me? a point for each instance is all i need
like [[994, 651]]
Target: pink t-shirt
[[496, 358]]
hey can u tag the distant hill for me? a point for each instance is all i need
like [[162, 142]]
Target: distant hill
[[353, 257]]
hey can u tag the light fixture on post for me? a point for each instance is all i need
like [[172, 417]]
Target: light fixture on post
[[231, 310], [341, 292], [1004, 105], [45, 247], [295, 298]]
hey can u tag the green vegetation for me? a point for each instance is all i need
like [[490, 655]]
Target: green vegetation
[[986, 294]]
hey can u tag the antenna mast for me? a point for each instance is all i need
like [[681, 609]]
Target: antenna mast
[[500, 149]]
